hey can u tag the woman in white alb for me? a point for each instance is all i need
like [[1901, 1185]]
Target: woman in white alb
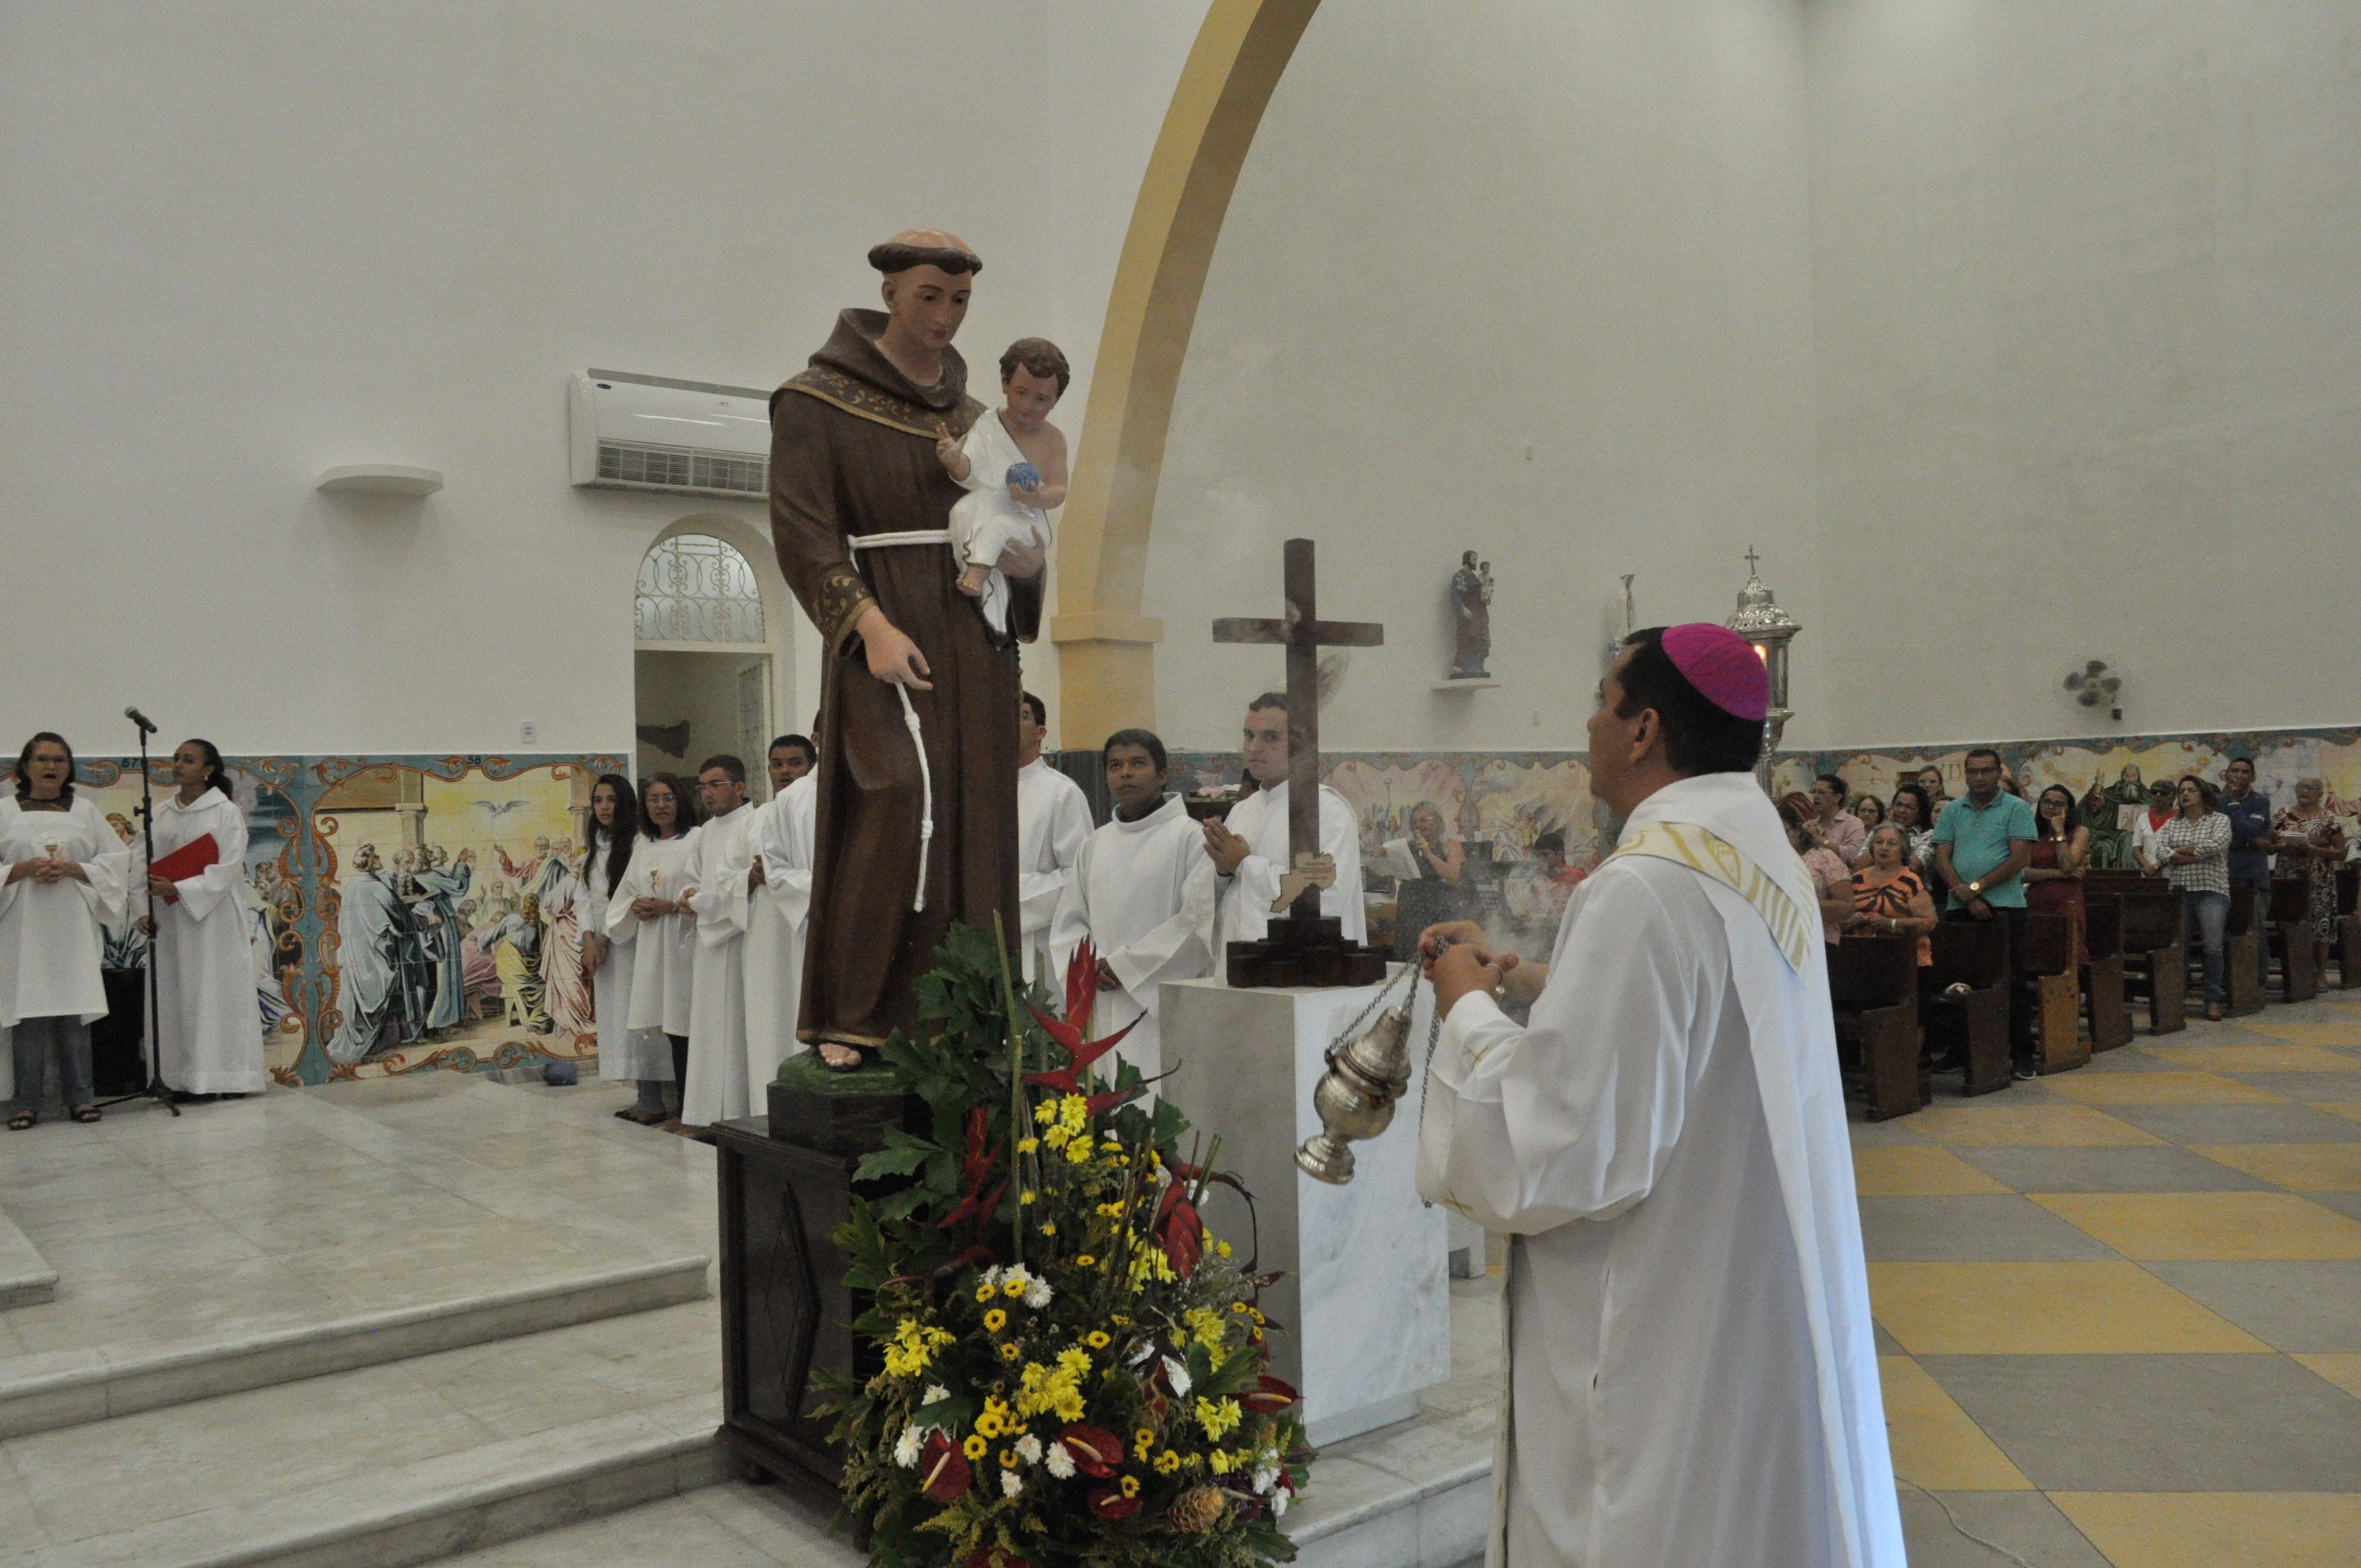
[[644, 911], [66, 873], [209, 1019], [639, 1056]]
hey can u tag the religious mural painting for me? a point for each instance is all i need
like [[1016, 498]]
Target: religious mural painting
[[1384, 794]]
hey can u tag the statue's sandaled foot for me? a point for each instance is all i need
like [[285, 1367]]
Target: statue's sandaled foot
[[841, 1059]]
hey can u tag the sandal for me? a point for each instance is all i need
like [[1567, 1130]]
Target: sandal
[[639, 1118], [85, 1113], [22, 1120]]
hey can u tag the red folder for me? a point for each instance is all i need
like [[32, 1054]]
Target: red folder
[[190, 860]]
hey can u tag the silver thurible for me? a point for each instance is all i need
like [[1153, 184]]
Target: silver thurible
[[1365, 1077]]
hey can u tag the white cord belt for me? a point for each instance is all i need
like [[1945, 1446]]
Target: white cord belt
[[861, 542]]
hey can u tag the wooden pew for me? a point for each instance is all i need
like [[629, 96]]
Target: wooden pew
[[1966, 1003], [2051, 971], [2156, 966], [2290, 936], [2102, 974], [2244, 959], [1873, 982], [2348, 927]]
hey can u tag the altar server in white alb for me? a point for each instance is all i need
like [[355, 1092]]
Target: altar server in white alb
[[646, 912], [1053, 817], [778, 911], [720, 877], [1249, 851], [209, 1021], [67, 872], [1692, 1376], [1142, 893], [637, 1055]]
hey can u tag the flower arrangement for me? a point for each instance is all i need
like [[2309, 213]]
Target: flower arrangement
[[1073, 1369]]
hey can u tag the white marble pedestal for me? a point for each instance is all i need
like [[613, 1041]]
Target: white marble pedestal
[[1366, 1295]]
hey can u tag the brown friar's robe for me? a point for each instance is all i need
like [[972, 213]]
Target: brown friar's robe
[[852, 453]]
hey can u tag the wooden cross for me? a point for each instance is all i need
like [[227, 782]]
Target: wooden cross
[[1304, 634]]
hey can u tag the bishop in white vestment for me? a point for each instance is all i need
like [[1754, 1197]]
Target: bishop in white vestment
[[718, 875], [779, 910], [1142, 894], [1692, 1375]]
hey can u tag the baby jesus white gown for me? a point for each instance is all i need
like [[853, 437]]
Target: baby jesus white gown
[[988, 520]]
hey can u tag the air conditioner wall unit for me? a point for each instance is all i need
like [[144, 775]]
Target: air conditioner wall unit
[[648, 432]]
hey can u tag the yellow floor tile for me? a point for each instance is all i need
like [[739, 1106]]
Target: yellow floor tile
[[1903, 1172], [2158, 1089], [2305, 1167], [2219, 1530], [2349, 1110], [2343, 1370], [1935, 1444], [2043, 1309], [2159, 1227], [2056, 1125], [2258, 1059], [2343, 1033]]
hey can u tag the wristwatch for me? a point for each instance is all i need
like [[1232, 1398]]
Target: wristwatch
[[1976, 888]]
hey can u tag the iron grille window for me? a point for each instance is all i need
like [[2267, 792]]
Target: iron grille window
[[697, 589]]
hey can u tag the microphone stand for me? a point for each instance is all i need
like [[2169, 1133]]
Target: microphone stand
[[152, 1033]]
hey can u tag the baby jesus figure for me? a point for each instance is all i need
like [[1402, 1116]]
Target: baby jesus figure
[[1014, 466]]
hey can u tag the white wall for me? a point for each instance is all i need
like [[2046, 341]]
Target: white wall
[[249, 241], [2088, 288], [1464, 233]]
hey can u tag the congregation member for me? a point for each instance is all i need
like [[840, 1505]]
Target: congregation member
[[778, 917], [1053, 817], [1142, 894], [1558, 878], [1249, 850], [2061, 853], [1691, 1372], [2148, 827], [68, 875], [2309, 839], [646, 912], [1982, 844], [1889, 899], [1435, 851], [1831, 877], [801, 755], [1914, 813], [2248, 810], [1930, 780], [640, 1056], [1870, 812], [720, 873], [208, 1023], [1837, 828], [2194, 850]]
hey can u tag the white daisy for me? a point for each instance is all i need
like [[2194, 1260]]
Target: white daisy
[[1060, 1463], [1009, 1483], [1028, 1449], [905, 1448], [936, 1393]]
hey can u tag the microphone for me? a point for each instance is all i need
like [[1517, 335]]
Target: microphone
[[147, 725]]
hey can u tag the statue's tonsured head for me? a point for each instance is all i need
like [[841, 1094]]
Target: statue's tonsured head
[[938, 248], [929, 274]]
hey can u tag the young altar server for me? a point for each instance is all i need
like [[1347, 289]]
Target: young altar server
[[1249, 850], [1053, 817], [1691, 1373], [67, 872], [646, 913], [1142, 893], [777, 909], [640, 1056], [209, 1023], [720, 877]]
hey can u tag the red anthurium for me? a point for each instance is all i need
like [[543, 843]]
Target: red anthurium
[[1269, 1396], [1095, 1450], [945, 1469], [1109, 1504]]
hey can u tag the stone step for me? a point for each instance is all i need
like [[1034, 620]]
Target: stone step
[[384, 1465], [24, 1279], [44, 1391]]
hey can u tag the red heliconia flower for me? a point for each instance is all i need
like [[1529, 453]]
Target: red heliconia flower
[[1269, 1396], [1106, 1503], [945, 1469], [1179, 1231], [975, 1169], [1095, 1450], [1083, 986]]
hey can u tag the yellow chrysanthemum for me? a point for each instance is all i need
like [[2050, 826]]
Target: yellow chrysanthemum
[[1009, 1351], [986, 1291], [1073, 1361], [1167, 1462], [1050, 1227], [1218, 1418], [1097, 1339], [913, 1348], [1131, 1485], [994, 1320], [1221, 1463], [1012, 1287], [1025, 1197], [973, 1447], [1026, 1145], [1046, 1112], [1078, 1153], [1221, 1249], [988, 1424]]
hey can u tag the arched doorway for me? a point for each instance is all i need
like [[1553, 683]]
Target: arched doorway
[[712, 656]]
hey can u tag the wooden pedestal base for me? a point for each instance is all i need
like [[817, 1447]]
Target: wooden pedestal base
[[1304, 952]]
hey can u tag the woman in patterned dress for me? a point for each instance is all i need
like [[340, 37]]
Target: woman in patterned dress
[[2311, 837]]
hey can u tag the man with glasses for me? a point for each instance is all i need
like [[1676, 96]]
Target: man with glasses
[[1982, 845]]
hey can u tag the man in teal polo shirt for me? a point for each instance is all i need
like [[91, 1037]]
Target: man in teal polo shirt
[[1982, 844]]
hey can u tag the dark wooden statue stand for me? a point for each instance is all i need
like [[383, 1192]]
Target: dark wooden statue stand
[[1305, 952], [785, 1184]]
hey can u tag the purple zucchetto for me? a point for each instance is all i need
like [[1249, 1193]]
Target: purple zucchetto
[[1723, 666]]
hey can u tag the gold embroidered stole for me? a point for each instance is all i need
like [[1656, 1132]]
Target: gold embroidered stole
[[1796, 929]]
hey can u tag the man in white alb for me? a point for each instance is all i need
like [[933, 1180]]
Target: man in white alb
[[1692, 1375], [720, 879], [1053, 817], [1249, 851], [777, 904], [1142, 893]]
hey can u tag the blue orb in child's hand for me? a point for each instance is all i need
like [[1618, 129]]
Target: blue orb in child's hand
[[1024, 475]]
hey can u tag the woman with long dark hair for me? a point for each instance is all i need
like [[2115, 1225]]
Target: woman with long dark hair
[[2062, 850], [644, 910], [208, 1020], [66, 873], [608, 839]]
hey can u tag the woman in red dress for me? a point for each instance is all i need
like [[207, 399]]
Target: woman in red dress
[[2053, 883]]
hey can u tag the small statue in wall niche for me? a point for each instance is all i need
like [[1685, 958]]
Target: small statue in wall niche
[[1471, 618]]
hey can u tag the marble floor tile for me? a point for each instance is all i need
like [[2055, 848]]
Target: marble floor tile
[[1916, 1172], [2271, 1059], [2299, 1168], [2289, 1306], [2334, 1108], [2043, 1309], [2155, 1167], [2169, 1226], [2023, 1522], [2158, 1089], [2162, 1423], [2345, 1371], [513, 1388], [664, 1534], [2317, 1087], [2288, 1124], [1983, 1229], [2054, 1125], [1885, 1135], [168, 1305], [2218, 1529], [1935, 1444], [2337, 1033], [2343, 1202]]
